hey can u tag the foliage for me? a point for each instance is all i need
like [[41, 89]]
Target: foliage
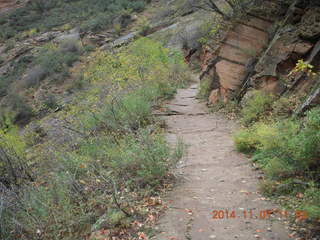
[[53, 59], [16, 70], [96, 23], [205, 88], [17, 110], [305, 67], [44, 15], [43, 5], [256, 106], [13, 169], [144, 26], [209, 30], [287, 150], [284, 107], [121, 160], [51, 102]]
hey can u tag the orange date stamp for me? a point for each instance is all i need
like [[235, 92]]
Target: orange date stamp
[[258, 214]]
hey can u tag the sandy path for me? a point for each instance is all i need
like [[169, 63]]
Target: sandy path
[[213, 177]]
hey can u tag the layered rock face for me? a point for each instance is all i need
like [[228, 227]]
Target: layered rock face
[[259, 52], [231, 61]]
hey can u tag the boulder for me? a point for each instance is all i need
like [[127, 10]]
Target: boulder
[[72, 35], [48, 36], [184, 34], [124, 39]]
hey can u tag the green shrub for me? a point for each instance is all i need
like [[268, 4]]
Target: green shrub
[[290, 186], [256, 106], [290, 144], [97, 23], [313, 119], [89, 48], [205, 88], [9, 80], [209, 31], [141, 158], [32, 77], [42, 6], [120, 159], [245, 141], [54, 60], [77, 83], [42, 207], [20, 110], [13, 167], [311, 202], [137, 6], [277, 168], [283, 107], [144, 30], [70, 46], [288, 152], [7, 32], [51, 102]]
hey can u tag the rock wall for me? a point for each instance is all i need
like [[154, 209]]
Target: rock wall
[[260, 50], [230, 63]]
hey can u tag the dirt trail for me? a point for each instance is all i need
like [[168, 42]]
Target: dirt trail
[[214, 177]]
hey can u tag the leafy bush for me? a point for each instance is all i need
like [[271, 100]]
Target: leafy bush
[[283, 107], [245, 141], [137, 6], [70, 46], [121, 160], [256, 106], [209, 31], [51, 102], [97, 23], [141, 158], [43, 5], [312, 202], [54, 60], [288, 152], [13, 168], [205, 88], [282, 144], [20, 111], [16, 70], [89, 48], [6, 33], [33, 77]]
